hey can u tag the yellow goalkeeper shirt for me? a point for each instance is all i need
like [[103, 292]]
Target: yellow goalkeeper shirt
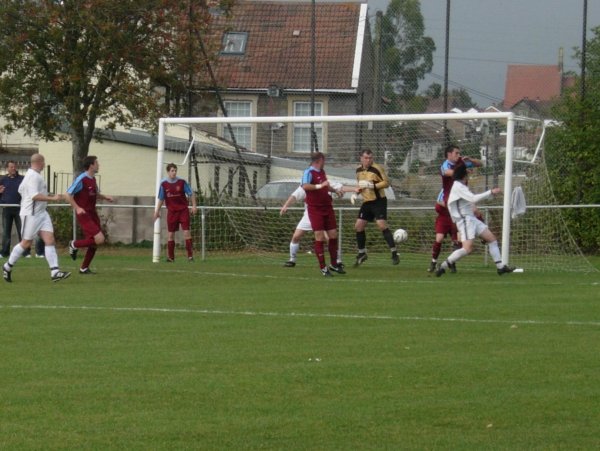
[[376, 174]]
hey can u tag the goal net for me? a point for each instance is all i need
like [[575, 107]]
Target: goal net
[[244, 168]]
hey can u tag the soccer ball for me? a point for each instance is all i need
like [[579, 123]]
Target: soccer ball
[[400, 236]]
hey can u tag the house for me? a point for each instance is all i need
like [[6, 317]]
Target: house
[[531, 90], [264, 69]]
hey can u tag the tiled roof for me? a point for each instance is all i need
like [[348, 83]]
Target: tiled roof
[[533, 82], [278, 50]]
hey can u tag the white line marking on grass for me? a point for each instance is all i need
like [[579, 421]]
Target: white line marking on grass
[[349, 279], [303, 315]]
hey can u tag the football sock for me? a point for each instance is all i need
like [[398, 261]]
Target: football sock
[[171, 249], [16, 254], [389, 238], [361, 240], [332, 246], [495, 253], [51, 256], [435, 251], [188, 248], [85, 242], [319, 252], [89, 255], [294, 247], [457, 255]]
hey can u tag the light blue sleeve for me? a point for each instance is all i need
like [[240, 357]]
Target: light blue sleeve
[[187, 189], [77, 185], [306, 176]]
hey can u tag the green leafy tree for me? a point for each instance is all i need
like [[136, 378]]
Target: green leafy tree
[[407, 54], [434, 91], [572, 151], [461, 99], [67, 65]]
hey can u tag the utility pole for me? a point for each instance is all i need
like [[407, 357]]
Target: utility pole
[[446, 58]]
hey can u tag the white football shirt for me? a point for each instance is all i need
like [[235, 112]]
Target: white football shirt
[[33, 183]]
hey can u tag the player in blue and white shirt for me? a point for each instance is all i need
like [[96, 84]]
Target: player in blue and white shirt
[[304, 224]]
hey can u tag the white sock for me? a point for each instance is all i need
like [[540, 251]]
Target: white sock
[[16, 254], [294, 247], [495, 253], [457, 255], [51, 258]]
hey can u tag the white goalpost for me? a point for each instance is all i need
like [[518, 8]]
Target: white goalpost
[[236, 156]]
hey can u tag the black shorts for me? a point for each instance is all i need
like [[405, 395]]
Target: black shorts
[[373, 210]]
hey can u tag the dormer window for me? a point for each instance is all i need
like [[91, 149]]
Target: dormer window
[[234, 43]]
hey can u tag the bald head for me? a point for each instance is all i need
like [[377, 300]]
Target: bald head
[[37, 161]]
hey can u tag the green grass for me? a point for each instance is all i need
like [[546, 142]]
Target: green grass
[[241, 353]]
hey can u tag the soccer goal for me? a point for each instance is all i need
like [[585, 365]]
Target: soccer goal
[[244, 168]]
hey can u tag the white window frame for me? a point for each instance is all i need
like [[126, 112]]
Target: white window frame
[[222, 128], [320, 128], [234, 43]]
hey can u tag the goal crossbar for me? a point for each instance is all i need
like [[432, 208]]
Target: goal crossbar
[[508, 117]]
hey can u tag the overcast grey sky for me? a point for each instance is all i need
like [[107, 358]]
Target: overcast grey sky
[[487, 35]]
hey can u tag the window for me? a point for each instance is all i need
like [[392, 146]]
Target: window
[[241, 132], [301, 132], [234, 43]]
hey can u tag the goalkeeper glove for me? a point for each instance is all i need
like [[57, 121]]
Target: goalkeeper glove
[[353, 198], [366, 184]]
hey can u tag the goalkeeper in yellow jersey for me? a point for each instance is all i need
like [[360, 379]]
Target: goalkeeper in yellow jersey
[[372, 181]]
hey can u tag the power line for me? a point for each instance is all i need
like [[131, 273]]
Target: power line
[[466, 88]]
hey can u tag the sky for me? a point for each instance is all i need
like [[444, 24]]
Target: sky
[[488, 35]]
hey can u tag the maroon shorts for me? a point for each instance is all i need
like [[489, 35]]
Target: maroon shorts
[[176, 218], [89, 223], [443, 222], [322, 218]]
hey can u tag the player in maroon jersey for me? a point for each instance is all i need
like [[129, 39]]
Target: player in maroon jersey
[[175, 192], [82, 196], [443, 223], [320, 213]]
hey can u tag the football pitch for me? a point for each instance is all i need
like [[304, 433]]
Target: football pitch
[[238, 352]]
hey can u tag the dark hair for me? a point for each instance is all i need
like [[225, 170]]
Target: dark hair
[[366, 152], [460, 172], [449, 149], [171, 166], [88, 161], [317, 156]]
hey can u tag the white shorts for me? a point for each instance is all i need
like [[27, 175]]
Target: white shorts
[[470, 228], [32, 225], [304, 223]]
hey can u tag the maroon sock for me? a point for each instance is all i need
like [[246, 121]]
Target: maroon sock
[[188, 247], [171, 249], [319, 252], [435, 250], [85, 242], [333, 245], [89, 256]]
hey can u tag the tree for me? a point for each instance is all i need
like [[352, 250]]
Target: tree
[[461, 99], [67, 65], [572, 151], [434, 91], [407, 54]]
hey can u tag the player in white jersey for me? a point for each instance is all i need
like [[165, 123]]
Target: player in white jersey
[[303, 225], [462, 210], [35, 220]]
